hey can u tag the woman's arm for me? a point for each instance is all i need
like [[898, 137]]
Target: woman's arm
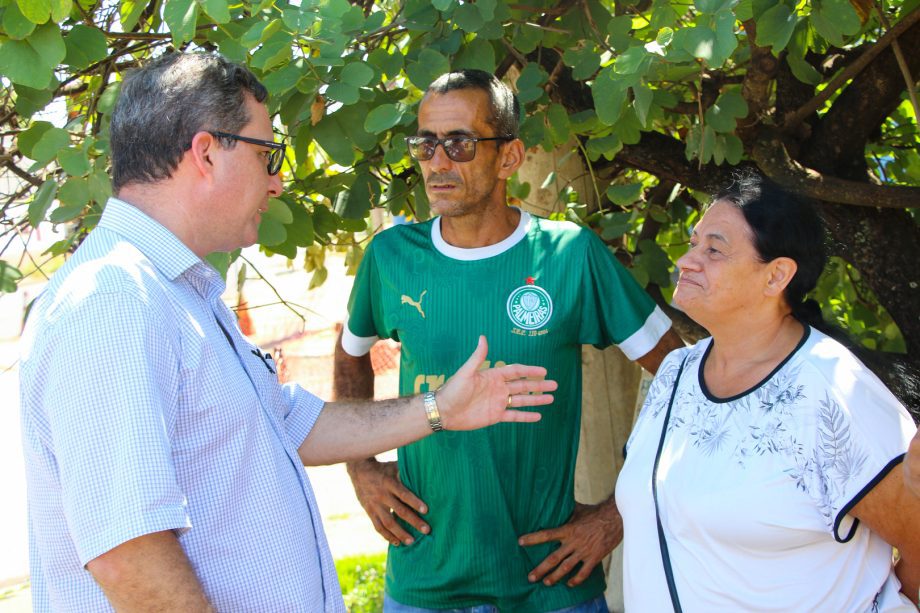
[[891, 510]]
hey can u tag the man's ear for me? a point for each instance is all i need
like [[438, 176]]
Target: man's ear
[[201, 153], [780, 271], [512, 156]]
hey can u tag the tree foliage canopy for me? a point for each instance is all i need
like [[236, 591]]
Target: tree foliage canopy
[[659, 99]]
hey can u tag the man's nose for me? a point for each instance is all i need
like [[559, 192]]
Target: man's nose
[[439, 159], [274, 185]]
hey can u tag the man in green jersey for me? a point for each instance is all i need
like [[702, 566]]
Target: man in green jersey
[[501, 527]]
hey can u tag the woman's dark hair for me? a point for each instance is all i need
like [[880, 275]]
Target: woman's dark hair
[[783, 226]]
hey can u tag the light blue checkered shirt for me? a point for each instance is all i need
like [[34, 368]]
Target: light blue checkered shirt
[[139, 416]]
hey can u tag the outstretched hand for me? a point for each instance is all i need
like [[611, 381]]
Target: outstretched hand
[[591, 533], [475, 398]]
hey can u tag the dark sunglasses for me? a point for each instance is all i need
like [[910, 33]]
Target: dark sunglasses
[[457, 148], [275, 154]]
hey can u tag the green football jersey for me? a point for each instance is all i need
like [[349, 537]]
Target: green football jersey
[[538, 296]]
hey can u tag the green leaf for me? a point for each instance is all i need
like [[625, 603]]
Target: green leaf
[[654, 261], [709, 143], [388, 63], [699, 41], [712, 6], [726, 40], [74, 161], [609, 96], [357, 74], [468, 18], [216, 10], [220, 260], [28, 138], [382, 118], [642, 102], [343, 92], [60, 9], [841, 15], [802, 70], [41, 202], [48, 146], [558, 120], [36, 11], [15, 24], [9, 277], [775, 27], [284, 79], [430, 66], [634, 61], [723, 114], [63, 214], [47, 42], [107, 100], [279, 210], [614, 225], [181, 16], [734, 149], [75, 192], [477, 54], [355, 202], [529, 83], [84, 46], [31, 62], [329, 134], [100, 186], [607, 146], [527, 37], [442, 5], [297, 19], [625, 194], [129, 12], [422, 205], [271, 232], [618, 30], [584, 62], [29, 101]]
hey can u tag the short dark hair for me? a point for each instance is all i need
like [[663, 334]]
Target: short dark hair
[[783, 225], [505, 109], [162, 105]]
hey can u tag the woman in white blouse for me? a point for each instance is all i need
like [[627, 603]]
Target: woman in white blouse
[[760, 473]]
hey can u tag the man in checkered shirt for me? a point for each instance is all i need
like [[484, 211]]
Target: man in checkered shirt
[[164, 460]]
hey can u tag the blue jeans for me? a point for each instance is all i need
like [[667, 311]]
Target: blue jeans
[[597, 605]]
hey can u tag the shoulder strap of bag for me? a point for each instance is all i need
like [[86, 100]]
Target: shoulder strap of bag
[[665, 557]]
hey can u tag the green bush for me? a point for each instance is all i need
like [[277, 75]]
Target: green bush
[[361, 578]]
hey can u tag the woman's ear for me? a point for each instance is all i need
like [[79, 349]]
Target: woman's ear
[[781, 271], [512, 156]]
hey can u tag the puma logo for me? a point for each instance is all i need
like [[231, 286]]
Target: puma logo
[[416, 303]]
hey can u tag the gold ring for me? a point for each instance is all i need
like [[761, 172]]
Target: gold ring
[[508, 404]]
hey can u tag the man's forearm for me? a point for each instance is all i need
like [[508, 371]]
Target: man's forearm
[[352, 377], [668, 343], [149, 573]]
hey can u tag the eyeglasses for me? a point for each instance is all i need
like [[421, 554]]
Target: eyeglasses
[[275, 153], [457, 148]]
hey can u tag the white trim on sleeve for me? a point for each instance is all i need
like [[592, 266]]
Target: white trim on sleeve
[[356, 345], [645, 338]]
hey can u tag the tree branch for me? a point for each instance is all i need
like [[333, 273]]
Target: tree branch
[[771, 157], [792, 120]]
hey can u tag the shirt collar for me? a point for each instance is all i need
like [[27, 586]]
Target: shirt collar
[[163, 248]]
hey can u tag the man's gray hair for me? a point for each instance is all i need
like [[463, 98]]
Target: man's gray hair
[[163, 105], [504, 105]]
